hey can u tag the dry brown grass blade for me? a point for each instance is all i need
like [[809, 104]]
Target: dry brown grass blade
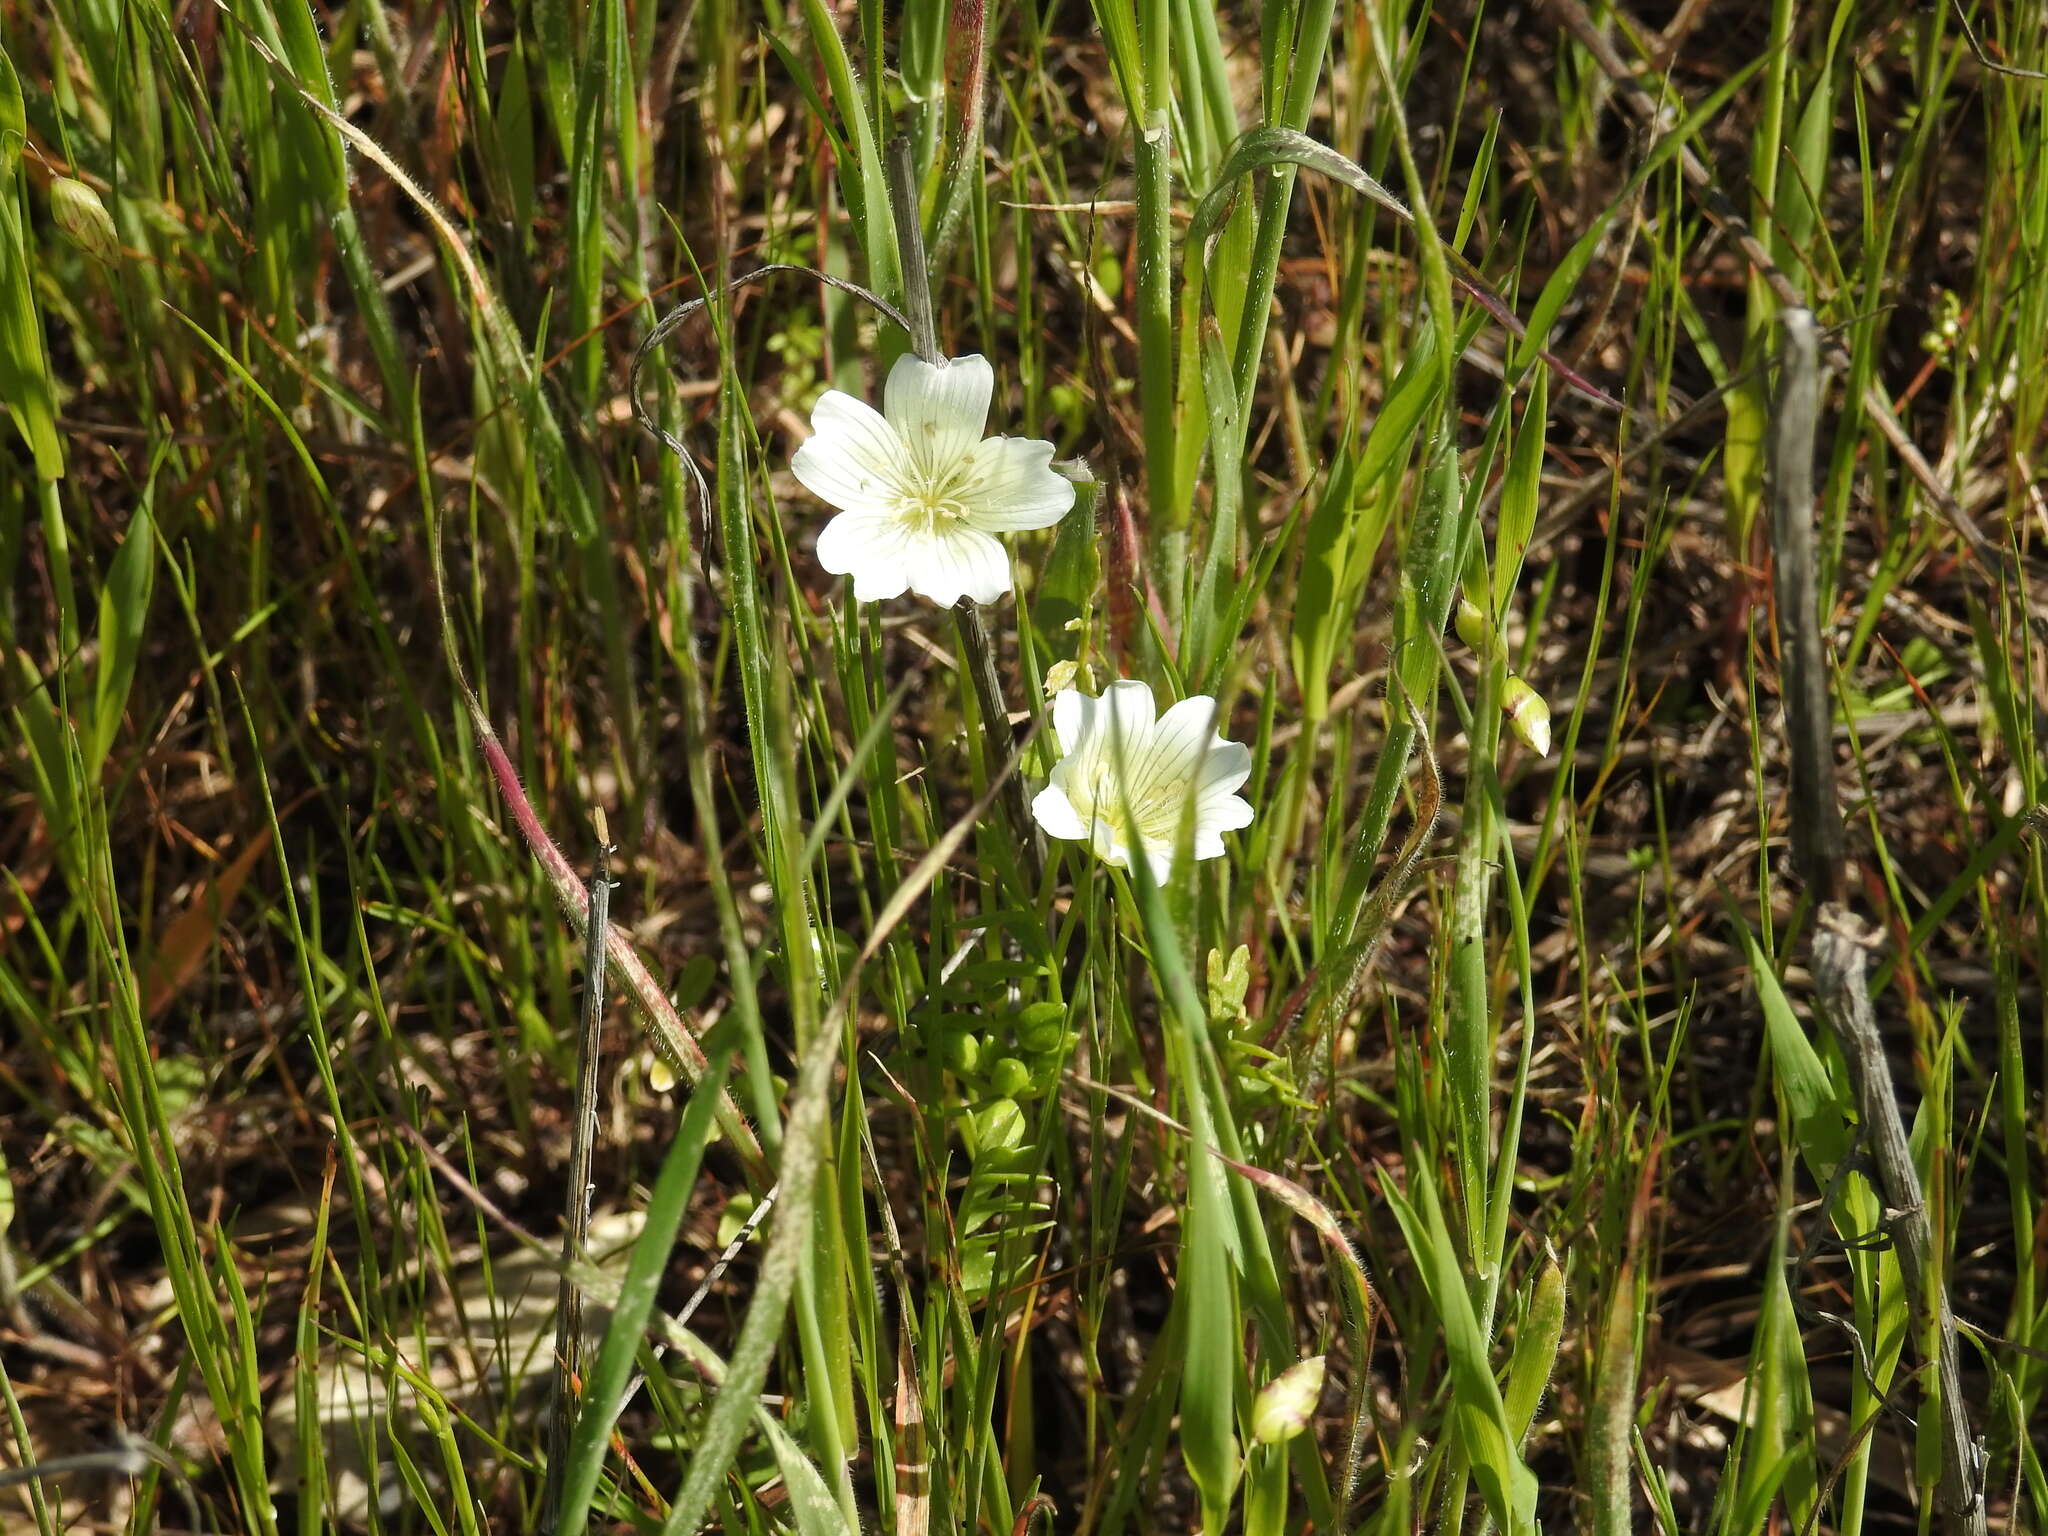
[[190, 936], [913, 1449]]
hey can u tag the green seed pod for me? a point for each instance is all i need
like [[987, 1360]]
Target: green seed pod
[[1047, 1041], [962, 1052], [1041, 1026], [1285, 1404], [1009, 1076], [78, 211]]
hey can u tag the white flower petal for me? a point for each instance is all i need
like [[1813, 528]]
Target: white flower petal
[[1108, 846], [1071, 778], [1222, 813], [1109, 748], [1195, 716], [849, 540], [1052, 810], [1183, 733], [853, 458], [1010, 486], [1150, 778], [1209, 844], [1069, 717], [1187, 746], [879, 583], [957, 562], [1163, 771], [1126, 709], [871, 547], [939, 410], [1225, 766]]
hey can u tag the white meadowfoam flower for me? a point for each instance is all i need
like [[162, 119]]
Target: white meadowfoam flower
[[921, 492], [1127, 781]]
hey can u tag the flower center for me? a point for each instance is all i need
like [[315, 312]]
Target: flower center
[[933, 500], [936, 510]]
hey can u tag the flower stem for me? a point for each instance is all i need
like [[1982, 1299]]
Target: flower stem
[[978, 655], [917, 282], [563, 1408]]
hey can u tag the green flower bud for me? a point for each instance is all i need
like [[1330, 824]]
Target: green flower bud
[[84, 219], [1528, 714], [1286, 1403], [428, 1407], [1472, 625]]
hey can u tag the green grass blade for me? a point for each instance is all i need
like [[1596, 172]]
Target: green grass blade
[[604, 1389]]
